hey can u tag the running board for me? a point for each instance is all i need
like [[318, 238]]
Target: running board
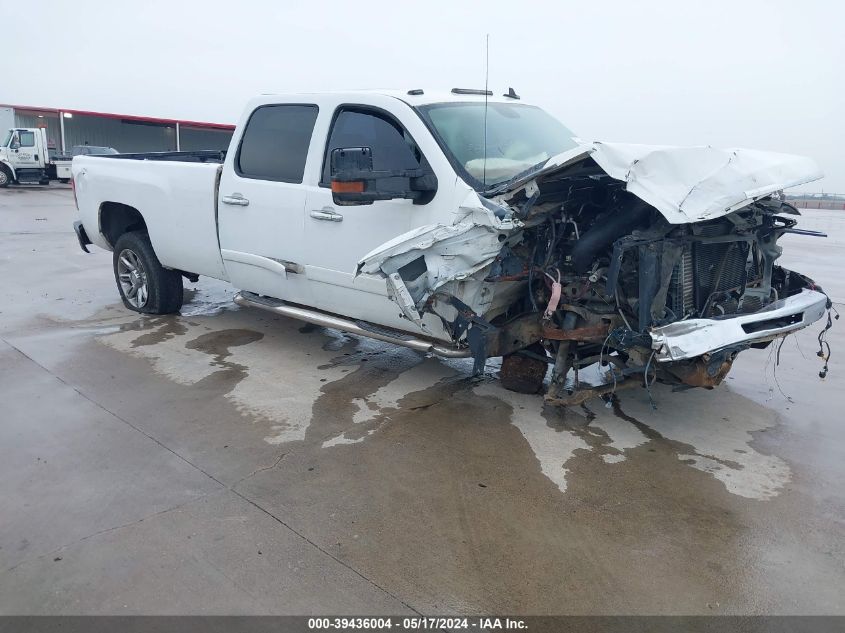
[[359, 328]]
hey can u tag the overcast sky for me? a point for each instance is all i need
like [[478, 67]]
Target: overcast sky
[[762, 74]]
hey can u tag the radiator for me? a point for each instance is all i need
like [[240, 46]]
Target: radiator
[[707, 268]]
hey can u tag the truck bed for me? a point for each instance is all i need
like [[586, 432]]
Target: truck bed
[[196, 156], [175, 193]]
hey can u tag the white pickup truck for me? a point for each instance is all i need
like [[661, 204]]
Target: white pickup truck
[[467, 224]]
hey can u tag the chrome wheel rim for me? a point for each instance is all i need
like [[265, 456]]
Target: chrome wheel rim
[[3, 177], [132, 278]]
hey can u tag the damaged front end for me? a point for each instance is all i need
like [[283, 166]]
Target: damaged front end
[[648, 262]]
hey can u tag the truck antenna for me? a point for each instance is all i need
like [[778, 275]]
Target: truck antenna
[[486, 92]]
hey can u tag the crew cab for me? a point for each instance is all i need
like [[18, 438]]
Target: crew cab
[[467, 224]]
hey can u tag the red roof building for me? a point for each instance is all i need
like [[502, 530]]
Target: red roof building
[[124, 132]]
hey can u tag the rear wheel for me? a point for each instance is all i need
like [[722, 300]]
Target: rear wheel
[[145, 285]]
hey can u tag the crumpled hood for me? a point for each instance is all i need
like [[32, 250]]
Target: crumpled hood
[[685, 184]]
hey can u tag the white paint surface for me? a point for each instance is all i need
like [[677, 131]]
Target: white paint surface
[[688, 184]]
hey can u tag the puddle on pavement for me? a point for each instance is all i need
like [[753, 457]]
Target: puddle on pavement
[[408, 390], [280, 373], [719, 445], [209, 298], [155, 329]]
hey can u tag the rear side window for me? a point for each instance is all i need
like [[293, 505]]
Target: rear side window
[[275, 143], [27, 139]]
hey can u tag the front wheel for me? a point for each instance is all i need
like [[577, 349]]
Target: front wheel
[[524, 373], [5, 178], [145, 285]]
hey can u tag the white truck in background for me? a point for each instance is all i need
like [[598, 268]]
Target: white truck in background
[[26, 159], [466, 224]]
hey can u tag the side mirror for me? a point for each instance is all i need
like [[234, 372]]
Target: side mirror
[[15, 143], [354, 181]]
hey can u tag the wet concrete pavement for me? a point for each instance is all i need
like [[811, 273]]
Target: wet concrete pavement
[[230, 461]]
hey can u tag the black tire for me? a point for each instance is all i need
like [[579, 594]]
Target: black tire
[[162, 288], [7, 180], [64, 181], [524, 374]]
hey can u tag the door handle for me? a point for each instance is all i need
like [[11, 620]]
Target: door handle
[[328, 214], [235, 199]]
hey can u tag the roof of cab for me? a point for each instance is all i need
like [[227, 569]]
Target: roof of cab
[[441, 96], [426, 98]]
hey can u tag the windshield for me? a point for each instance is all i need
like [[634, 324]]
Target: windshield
[[518, 137]]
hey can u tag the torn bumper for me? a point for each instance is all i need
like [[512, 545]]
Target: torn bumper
[[691, 338]]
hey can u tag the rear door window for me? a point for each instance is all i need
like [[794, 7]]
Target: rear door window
[[275, 143]]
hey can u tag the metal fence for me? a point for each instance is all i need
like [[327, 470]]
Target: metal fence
[[834, 201]]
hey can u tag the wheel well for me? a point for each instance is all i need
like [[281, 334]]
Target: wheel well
[[117, 218]]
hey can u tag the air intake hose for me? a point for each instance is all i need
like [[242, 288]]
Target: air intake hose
[[605, 233]]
